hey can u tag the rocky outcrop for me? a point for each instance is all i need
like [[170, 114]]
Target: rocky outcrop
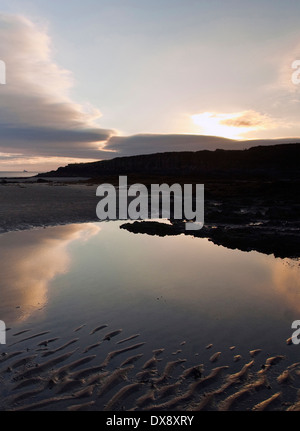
[[257, 162]]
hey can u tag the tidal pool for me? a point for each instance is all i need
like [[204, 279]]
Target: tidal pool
[[178, 293]]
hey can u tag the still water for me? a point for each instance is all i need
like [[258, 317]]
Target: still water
[[169, 289], [17, 174]]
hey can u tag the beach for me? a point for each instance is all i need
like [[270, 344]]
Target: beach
[[27, 204], [43, 372], [83, 314], [268, 222]]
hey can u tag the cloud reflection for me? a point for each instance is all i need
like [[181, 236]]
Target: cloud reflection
[[286, 281], [30, 260]]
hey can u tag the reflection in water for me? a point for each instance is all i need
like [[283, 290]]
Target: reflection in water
[[29, 261], [287, 282], [167, 285], [177, 294]]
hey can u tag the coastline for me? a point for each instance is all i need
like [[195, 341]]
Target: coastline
[[27, 205], [233, 217]]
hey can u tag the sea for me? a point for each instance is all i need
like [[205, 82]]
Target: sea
[[17, 174]]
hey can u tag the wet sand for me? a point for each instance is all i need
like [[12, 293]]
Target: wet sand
[[25, 205], [105, 368], [39, 371], [264, 224]]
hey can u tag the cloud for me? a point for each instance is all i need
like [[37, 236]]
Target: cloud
[[232, 125], [151, 143], [49, 141], [248, 119], [41, 125], [37, 114], [157, 143]]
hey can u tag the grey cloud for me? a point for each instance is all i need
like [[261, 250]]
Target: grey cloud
[[147, 144], [53, 142], [37, 115], [151, 143]]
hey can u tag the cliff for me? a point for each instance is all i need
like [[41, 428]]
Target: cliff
[[276, 161]]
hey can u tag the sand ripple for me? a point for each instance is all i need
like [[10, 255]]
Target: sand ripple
[[114, 380]]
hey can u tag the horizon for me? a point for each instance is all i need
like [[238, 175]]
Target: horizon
[[141, 78], [260, 143]]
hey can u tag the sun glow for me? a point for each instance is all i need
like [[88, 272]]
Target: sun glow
[[231, 126]]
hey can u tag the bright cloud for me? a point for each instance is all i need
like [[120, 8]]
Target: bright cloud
[[232, 125]]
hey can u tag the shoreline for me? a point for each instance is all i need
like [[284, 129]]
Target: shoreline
[[31, 205], [268, 224]]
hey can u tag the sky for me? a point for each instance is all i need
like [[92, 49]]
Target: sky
[[85, 81]]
